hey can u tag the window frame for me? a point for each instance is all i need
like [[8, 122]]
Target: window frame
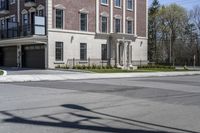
[[120, 4], [103, 51], [106, 4], [102, 24], [119, 25], [61, 52], [62, 19], [87, 23], [128, 26], [84, 50], [127, 5]]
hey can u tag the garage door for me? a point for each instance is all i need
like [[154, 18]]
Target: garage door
[[8, 56], [33, 56]]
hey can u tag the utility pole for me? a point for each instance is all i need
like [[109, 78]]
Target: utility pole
[[170, 48]]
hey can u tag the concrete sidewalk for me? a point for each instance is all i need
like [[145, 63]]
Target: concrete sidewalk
[[53, 77]]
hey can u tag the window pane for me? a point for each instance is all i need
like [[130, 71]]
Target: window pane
[[117, 25], [59, 18], [104, 52], [104, 24], [83, 51], [59, 51], [129, 25], [83, 19]]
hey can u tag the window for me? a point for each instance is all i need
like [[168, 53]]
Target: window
[[118, 3], [12, 1], [83, 22], [59, 51], [104, 2], [117, 25], [129, 27], [83, 51], [103, 51], [40, 13], [59, 18], [104, 24], [130, 4], [25, 21]]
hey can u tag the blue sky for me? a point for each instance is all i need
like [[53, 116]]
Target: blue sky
[[188, 4]]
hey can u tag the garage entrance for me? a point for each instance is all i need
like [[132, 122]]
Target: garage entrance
[[8, 56], [33, 56]]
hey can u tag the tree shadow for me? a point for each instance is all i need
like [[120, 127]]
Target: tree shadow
[[94, 126]]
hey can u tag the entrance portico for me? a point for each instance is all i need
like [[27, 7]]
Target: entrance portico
[[123, 53]]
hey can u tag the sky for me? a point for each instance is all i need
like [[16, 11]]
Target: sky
[[188, 4]]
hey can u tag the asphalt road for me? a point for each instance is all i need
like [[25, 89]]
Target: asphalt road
[[128, 105]]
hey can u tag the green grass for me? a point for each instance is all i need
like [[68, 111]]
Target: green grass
[[132, 71], [1, 72]]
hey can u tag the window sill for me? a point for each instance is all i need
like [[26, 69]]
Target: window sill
[[59, 62], [131, 10], [104, 4], [118, 7]]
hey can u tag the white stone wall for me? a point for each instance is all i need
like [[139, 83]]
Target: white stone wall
[[72, 39], [72, 42]]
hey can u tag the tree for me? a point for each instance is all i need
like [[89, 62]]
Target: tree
[[153, 26], [173, 18], [195, 19]]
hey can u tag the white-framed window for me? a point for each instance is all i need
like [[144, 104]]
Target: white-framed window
[[104, 51], [129, 27], [117, 3], [104, 2], [104, 24], [59, 18], [117, 25], [59, 51], [83, 21], [129, 4]]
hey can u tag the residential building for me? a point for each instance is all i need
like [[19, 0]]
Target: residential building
[[48, 33]]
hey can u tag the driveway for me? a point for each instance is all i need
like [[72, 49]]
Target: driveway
[[25, 71]]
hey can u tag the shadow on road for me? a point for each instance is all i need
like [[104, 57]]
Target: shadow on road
[[93, 119]]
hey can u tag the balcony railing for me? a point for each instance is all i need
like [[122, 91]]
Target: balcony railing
[[4, 6], [13, 30], [29, 3]]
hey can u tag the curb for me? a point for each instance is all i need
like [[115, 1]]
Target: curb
[[32, 78]]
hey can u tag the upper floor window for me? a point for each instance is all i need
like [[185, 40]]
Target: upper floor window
[[129, 27], [104, 24], [12, 1], [117, 25], [40, 12], [59, 19], [104, 2], [130, 4], [118, 3], [83, 22]]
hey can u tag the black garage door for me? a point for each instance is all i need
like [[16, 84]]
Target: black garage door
[[33, 56], [8, 56]]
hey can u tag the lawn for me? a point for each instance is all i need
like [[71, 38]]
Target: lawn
[[133, 71]]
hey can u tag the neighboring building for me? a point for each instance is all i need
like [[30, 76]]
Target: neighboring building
[[47, 33]]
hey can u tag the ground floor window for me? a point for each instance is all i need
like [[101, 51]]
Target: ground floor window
[[59, 51], [103, 51], [83, 51]]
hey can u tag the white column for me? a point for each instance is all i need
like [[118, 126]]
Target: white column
[[97, 16], [50, 14], [18, 11], [135, 18], [125, 55], [117, 54], [19, 56], [124, 16], [111, 16]]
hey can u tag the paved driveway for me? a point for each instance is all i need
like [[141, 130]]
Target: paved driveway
[[24, 71], [126, 105]]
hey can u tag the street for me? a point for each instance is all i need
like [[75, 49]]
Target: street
[[124, 105]]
